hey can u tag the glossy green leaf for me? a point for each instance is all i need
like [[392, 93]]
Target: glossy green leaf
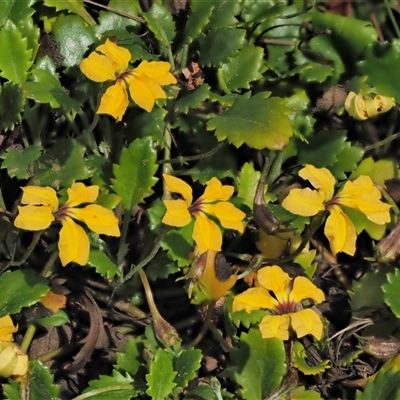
[[134, 175], [243, 69], [192, 99], [386, 386], [58, 319], [72, 6], [12, 104], [201, 392], [62, 165], [11, 390], [41, 382], [255, 11], [299, 361], [74, 38], [130, 359], [198, 19], [224, 14], [159, 21], [258, 365], [15, 57], [391, 292], [258, 121], [300, 393], [186, 364], [20, 288], [116, 387], [218, 45], [149, 125], [303, 120], [15, 11], [179, 244], [102, 264], [248, 181], [160, 379], [347, 160], [379, 171], [378, 61]]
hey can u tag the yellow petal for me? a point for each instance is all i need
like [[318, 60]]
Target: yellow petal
[[306, 322], [177, 213], [145, 91], [305, 202], [114, 101], [229, 216], [37, 195], [98, 219], [216, 191], [119, 56], [13, 361], [156, 70], [253, 299], [340, 232], [384, 103], [98, 68], [176, 185], [7, 328], [73, 244], [303, 289], [355, 106], [206, 234], [79, 193], [276, 280], [320, 178], [34, 218], [275, 326]]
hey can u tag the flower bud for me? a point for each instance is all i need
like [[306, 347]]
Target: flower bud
[[380, 348], [388, 249], [13, 361]]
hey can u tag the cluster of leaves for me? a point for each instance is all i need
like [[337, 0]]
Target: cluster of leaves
[[261, 89]]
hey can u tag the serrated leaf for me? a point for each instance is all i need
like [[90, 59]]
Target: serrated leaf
[[11, 390], [102, 264], [16, 11], [201, 392], [258, 365], [243, 68], [391, 292], [192, 99], [19, 289], [159, 21], [12, 103], [258, 121], [15, 57], [62, 165], [347, 161], [186, 365], [179, 244], [198, 19], [46, 88], [116, 387], [18, 162], [379, 171], [224, 13], [74, 38], [300, 393], [134, 175], [218, 45], [299, 361], [130, 359], [72, 6], [41, 382], [160, 378], [386, 386], [248, 181]]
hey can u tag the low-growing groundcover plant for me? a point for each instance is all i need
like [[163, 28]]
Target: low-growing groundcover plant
[[199, 199]]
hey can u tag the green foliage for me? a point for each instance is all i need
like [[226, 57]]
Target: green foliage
[[72, 6], [391, 292], [300, 362], [41, 382], [19, 163], [103, 265], [384, 386], [11, 105]]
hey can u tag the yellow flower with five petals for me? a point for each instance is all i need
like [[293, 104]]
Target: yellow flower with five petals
[[361, 195], [206, 233], [111, 62], [282, 295], [41, 207]]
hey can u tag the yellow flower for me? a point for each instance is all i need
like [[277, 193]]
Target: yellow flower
[[41, 210], [144, 82], [206, 232], [13, 361], [361, 195], [282, 295]]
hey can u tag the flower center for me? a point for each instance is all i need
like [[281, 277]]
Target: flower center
[[196, 207], [286, 307]]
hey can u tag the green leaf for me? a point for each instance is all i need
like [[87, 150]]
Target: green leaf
[[224, 13], [192, 99], [258, 121], [257, 12], [18, 162], [299, 361], [15, 11], [303, 120], [391, 292], [186, 365], [248, 181], [201, 392], [148, 125], [198, 19], [300, 393], [134, 176], [12, 103], [347, 160], [258, 365], [115, 387], [41, 382], [179, 244], [160, 378], [20, 288], [386, 386], [62, 165], [11, 390], [46, 88], [72, 6], [243, 69], [74, 38], [15, 57], [379, 171], [159, 21], [103, 265], [58, 319], [218, 45], [131, 359]]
